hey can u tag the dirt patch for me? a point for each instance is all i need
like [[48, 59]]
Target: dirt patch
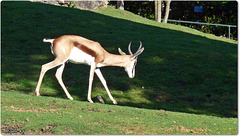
[[183, 129], [5, 88], [135, 130], [162, 115], [12, 108], [91, 109], [48, 130], [13, 87], [12, 129], [68, 132]]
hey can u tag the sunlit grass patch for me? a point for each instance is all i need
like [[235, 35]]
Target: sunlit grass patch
[[180, 70]]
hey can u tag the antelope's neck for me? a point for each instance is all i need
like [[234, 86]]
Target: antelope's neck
[[116, 60]]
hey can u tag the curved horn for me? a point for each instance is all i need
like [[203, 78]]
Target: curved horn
[[140, 46], [129, 48], [139, 51], [121, 52]]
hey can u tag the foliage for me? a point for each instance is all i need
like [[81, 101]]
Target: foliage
[[144, 9], [224, 12], [72, 5], [180, 70]]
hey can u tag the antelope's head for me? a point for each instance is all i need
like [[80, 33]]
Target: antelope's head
[[130, 68]]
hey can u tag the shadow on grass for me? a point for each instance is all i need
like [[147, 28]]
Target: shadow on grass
[[177, 71]]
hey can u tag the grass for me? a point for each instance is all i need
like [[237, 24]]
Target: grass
[[49, 115], [180, 70]]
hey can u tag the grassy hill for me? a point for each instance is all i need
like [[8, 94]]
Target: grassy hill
[[181, 70], [49, 115]]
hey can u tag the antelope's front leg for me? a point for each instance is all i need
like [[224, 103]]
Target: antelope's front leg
[[92, 69], [100, 76]]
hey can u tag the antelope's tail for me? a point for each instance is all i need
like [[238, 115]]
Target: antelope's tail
[[51, 41], [48, 40]]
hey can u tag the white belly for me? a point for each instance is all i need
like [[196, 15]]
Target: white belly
[[79, 57]]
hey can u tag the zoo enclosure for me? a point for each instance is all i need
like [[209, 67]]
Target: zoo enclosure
[[202, 23]]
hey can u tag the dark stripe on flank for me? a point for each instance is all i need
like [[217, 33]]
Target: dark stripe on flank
[[85, 49]]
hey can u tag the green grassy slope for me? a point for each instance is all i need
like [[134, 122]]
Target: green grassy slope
[[181, 70], [49, 115]]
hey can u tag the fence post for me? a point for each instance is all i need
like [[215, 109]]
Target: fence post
[[229, 32]]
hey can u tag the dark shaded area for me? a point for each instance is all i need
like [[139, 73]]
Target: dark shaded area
[[177, 71]]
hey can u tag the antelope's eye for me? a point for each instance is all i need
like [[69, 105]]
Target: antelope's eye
[[135, 63]]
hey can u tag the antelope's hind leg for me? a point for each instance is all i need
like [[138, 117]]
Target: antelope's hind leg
[[44, 69], [60, 81]]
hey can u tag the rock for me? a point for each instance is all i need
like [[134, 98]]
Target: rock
[[83, 5], [99, 99], [27, 119], [91, 5]]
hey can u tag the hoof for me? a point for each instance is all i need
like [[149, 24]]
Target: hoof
[[70, 98], [90, 101], [38, 95], [114, 102]]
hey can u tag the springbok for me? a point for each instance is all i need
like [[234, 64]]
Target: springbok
[[80, 50]]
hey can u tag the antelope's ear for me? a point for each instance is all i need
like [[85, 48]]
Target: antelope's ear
[[121, 52]]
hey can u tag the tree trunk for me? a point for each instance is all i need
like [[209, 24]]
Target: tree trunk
[[158, 10], [155, 12], [167, 11], [120, 5]]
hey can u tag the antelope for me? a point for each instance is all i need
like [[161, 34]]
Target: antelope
[[79, 50]]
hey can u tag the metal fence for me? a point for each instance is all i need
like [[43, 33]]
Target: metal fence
[[202, 23]]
